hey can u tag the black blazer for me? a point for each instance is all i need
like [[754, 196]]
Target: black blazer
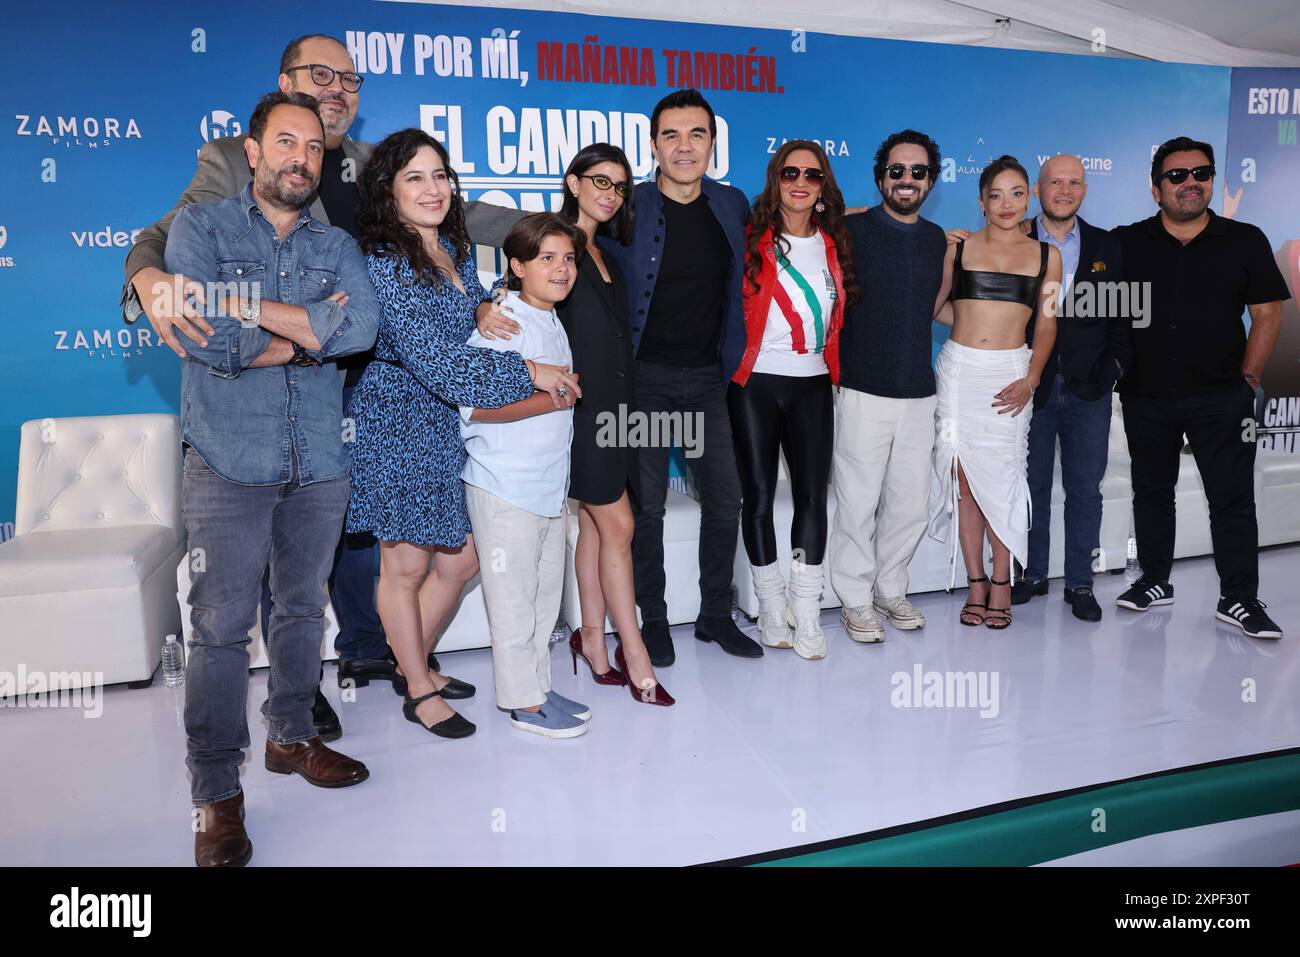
[[1087, 349]]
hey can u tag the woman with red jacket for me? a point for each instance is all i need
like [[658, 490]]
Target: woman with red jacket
[[798, 277]]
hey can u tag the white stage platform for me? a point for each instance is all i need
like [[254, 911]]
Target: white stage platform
[[757, 756]]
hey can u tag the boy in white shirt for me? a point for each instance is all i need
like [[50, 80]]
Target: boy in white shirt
[[516, 482]]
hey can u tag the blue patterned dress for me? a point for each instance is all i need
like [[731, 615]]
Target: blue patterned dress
[[407, 456]]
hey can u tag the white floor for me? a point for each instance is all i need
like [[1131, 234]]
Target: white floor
[[756, 756]]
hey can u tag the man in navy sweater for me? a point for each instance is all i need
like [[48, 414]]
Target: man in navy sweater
[[884, 408]]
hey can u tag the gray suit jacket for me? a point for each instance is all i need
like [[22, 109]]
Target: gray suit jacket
[[223, 171]]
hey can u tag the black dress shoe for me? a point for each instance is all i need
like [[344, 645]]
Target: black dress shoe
[[1083, 603], [362, 671], [452, 690], [658, 643], [1024, 589], [728, 637], [323, 717]]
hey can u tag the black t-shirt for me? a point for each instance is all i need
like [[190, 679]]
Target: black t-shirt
[[885, 345], [689, 303], [1193, 340], [339, 197]]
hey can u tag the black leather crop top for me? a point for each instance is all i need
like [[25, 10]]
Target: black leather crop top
[[1001, 286]]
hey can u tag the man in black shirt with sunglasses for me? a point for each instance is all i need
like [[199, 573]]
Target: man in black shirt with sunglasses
[[1195, 372]]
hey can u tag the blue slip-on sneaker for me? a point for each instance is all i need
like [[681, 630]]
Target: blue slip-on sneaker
[[568, 706], [549, 722]]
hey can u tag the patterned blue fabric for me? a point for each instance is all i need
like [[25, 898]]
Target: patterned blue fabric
[[407, 455]]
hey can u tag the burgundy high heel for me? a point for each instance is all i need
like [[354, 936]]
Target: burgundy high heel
[[611, 677], [656, 695]]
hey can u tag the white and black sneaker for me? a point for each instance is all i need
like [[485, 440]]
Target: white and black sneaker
[[1145, 593], [1249, 616]]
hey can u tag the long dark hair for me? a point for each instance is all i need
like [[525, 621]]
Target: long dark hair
[[767, 212], [381, 231], [619, 228]]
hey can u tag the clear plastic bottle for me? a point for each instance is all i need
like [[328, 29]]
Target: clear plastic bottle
[[173, 662], [560, 633], [1132, 570]]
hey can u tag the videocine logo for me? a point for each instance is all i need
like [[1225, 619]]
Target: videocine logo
[[105, 238], [217, 124], [75, 910]]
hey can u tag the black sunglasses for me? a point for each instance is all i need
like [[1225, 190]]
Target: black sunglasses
[[1202, 174], [790, 174], [920, 171], [604, 182], [323, 75]]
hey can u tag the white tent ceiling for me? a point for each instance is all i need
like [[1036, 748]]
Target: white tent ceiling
[[1253, 33]]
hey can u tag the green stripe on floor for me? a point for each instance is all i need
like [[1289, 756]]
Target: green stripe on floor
[[1059, 827]]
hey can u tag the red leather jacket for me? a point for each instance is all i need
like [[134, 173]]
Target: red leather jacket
[[758, 302]]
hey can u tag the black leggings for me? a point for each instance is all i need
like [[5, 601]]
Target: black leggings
[[794, 414]]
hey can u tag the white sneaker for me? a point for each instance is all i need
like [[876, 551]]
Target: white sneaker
[[805, 610], [862, 624], [769, 589], [900, 612]]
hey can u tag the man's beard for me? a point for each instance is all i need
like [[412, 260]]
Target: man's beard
[[1052, 216], [272, 188], [903, 207], [1180, 214], [336, 123]]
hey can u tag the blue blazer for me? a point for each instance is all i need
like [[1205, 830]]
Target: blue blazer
[[640, 261]]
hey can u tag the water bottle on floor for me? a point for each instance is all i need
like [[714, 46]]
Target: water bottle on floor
[[173, 663], [1132, 570], [560, 632]]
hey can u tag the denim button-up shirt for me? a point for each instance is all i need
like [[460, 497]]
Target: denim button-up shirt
[[253, 426]]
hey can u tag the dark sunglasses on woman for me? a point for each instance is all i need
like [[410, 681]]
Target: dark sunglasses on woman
[[920, 171], [1202, 174], [813, 175]]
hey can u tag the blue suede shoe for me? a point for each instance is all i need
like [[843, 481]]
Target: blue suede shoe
[[549, 722], [560, 702]]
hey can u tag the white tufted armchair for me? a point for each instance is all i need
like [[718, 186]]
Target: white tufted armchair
[[88, 582]]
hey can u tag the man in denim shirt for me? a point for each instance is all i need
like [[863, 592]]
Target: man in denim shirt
[[266, 470]]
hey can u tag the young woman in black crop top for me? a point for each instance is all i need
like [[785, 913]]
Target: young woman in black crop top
[[985, 377]]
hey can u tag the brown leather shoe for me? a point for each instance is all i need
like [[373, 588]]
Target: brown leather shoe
[[221, 840], [319, 765]]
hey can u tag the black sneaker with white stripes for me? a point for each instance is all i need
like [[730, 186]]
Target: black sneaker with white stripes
[[1249, 616], [1145, 593]]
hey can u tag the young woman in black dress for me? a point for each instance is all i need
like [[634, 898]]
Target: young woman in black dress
[[598, 199]]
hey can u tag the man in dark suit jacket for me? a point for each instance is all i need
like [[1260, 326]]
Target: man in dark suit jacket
[[1073, 401], [322, 67]]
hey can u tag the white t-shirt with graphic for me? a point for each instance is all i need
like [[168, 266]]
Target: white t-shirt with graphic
[[806, 278]]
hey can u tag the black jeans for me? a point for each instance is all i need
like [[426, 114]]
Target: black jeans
[[771, 413], [1216, 424], [699, 393]]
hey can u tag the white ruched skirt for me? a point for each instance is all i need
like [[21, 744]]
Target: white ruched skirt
[[992, 449]]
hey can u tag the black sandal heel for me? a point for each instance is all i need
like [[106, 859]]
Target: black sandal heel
[[972, 604], [997, 618]]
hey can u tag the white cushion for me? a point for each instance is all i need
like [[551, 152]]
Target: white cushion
[[77, 560]]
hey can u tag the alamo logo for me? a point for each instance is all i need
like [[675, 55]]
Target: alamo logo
[[70, 131], [107, 343]]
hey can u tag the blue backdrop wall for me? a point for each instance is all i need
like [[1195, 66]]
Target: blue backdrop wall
[[106, 108]]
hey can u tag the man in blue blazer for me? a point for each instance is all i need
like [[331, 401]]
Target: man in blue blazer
[[683, 272], [1073, 401]]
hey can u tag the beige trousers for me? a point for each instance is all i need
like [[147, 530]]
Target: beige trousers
[[881, 473], [521, 561]]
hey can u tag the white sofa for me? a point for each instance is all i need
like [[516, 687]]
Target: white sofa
[[86, 583]]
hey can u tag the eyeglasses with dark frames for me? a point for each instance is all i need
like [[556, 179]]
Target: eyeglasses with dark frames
[[323, 75], [812, 174], [1202, 174], [919, 171], [604, 182]]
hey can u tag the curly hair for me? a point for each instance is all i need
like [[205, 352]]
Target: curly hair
[[380, 230], [767, 212]]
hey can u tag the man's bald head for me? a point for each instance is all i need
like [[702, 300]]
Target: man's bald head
[[1061, 187]]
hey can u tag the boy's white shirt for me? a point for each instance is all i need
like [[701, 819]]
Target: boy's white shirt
[[526, 463]]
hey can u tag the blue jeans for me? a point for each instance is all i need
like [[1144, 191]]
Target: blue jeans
[[240, 529], [1084, 429]]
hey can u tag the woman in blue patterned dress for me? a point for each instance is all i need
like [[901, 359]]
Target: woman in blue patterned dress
[[407, 454]]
